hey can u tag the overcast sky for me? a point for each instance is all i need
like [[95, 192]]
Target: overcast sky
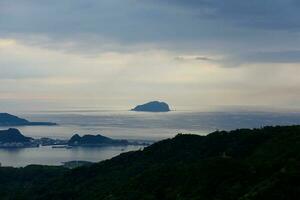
[[202, 54]]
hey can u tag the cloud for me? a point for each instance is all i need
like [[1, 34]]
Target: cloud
[[204, 58], [267, 14], [191, 26], [289, 56], [200, 58], [262, 58]]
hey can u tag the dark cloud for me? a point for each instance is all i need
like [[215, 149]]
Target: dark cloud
[[266, 14], [200, 58], [204, 58], [229, 28]]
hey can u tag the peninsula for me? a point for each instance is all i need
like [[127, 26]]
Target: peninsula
[[12, 120], [95, 140]]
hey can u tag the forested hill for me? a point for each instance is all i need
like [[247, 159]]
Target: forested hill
[[242, 164]]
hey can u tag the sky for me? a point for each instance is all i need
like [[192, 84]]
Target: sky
[[193, 54]]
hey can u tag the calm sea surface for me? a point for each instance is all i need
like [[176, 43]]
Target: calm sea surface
[[126, 125]]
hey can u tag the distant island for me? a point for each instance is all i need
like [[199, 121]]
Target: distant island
[[95, 140], [12, 120], [153, 106]]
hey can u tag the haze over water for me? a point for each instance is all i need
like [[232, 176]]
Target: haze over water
[[126, 125], [149, 126]]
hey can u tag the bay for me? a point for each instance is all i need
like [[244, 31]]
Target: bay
[[126, 125]]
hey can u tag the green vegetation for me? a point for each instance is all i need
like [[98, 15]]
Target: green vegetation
[[242, 164], [76, 163]]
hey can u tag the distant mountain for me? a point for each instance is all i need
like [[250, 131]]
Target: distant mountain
[[153, 106], [13, 135], [94, 140], [12, 120]]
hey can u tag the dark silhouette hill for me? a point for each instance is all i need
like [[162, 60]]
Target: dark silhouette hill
[[153, 106], [258, 164], [12, 120]]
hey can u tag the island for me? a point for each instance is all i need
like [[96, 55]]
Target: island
[[95, 140], [12, 138], [153, 106], [7, 119]]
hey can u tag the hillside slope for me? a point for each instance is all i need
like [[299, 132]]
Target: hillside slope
[[242, 164]]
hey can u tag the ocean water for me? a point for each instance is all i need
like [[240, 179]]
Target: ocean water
[[149, 126], [126, 125]]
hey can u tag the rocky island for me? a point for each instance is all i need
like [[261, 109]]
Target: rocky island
[[12, 120], [153, 106]]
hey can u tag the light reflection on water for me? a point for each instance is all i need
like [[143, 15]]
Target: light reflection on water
[[151, 126]]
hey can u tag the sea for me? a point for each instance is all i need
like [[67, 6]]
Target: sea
[[135, 126]]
